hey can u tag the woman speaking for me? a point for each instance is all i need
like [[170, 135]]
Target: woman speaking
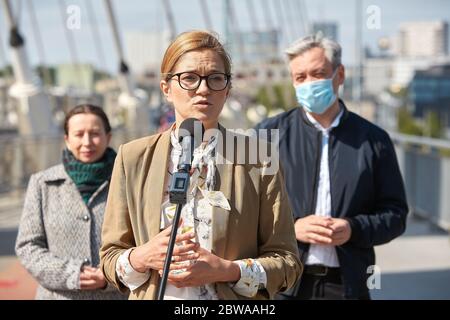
[[237, 244]]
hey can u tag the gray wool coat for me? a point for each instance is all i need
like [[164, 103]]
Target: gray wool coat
[[59, 233]]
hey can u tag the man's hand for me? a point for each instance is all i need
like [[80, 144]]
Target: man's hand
[[322, 230], [314, 229], [341, 231]]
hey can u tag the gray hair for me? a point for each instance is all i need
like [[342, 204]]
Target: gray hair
[[333, 50]]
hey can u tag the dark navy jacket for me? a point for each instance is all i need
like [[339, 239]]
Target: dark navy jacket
[[366, 185]]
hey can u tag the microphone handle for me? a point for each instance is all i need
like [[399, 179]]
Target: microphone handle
[[168, 260]]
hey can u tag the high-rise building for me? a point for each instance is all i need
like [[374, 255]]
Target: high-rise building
[[422, 39], [145, 50], [430, 91], [377, 74], [254, 47], [328, 29]]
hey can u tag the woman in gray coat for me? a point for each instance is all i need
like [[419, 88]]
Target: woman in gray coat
[[59, 233]]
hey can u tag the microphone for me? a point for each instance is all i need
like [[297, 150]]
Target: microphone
[[190, 135]]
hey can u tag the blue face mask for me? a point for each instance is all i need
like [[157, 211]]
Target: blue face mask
[[316, 96]]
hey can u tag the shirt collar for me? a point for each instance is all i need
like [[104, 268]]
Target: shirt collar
[[334, 124]]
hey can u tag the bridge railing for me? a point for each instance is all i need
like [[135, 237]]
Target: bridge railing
[[425, 164], [22, 156]]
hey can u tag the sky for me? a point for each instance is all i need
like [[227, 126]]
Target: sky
[[148, 15]]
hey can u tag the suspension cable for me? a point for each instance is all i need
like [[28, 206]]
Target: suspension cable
[[170, 18], [252, 15], [4, 60], [206, 16], [285, 30], [236, 30], [70, 41], [267, 16], [95, 34], [38, 42]]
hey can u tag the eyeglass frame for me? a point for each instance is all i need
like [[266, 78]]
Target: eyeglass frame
[[228, 78]]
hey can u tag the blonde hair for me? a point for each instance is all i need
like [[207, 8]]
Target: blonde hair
[[192, 41]]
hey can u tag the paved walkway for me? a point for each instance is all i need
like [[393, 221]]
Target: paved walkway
[[414, 266], [10, 210], [15, 282]]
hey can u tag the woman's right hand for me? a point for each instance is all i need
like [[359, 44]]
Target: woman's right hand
[[152, 254], [92, 278]]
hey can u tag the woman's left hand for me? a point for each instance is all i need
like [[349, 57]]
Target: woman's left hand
[[207, 268]]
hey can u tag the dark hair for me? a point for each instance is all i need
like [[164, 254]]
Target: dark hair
[[87, 108]]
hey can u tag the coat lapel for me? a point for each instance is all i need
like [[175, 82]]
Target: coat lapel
[[155, 180], [68, 191], [102, 187], [220, 216]]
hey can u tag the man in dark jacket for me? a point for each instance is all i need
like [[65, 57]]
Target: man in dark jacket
[[342, 177]]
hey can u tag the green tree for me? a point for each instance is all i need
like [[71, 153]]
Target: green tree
[[7, 71], [262, 97], [292, 96], [280, 101], [47, 75], [101, 75], [407, 124], [432, 125]]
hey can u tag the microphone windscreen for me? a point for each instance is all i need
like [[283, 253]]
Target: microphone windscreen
[[191, 127]]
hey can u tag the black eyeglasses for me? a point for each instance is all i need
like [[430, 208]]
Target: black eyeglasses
[[216, 81]]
